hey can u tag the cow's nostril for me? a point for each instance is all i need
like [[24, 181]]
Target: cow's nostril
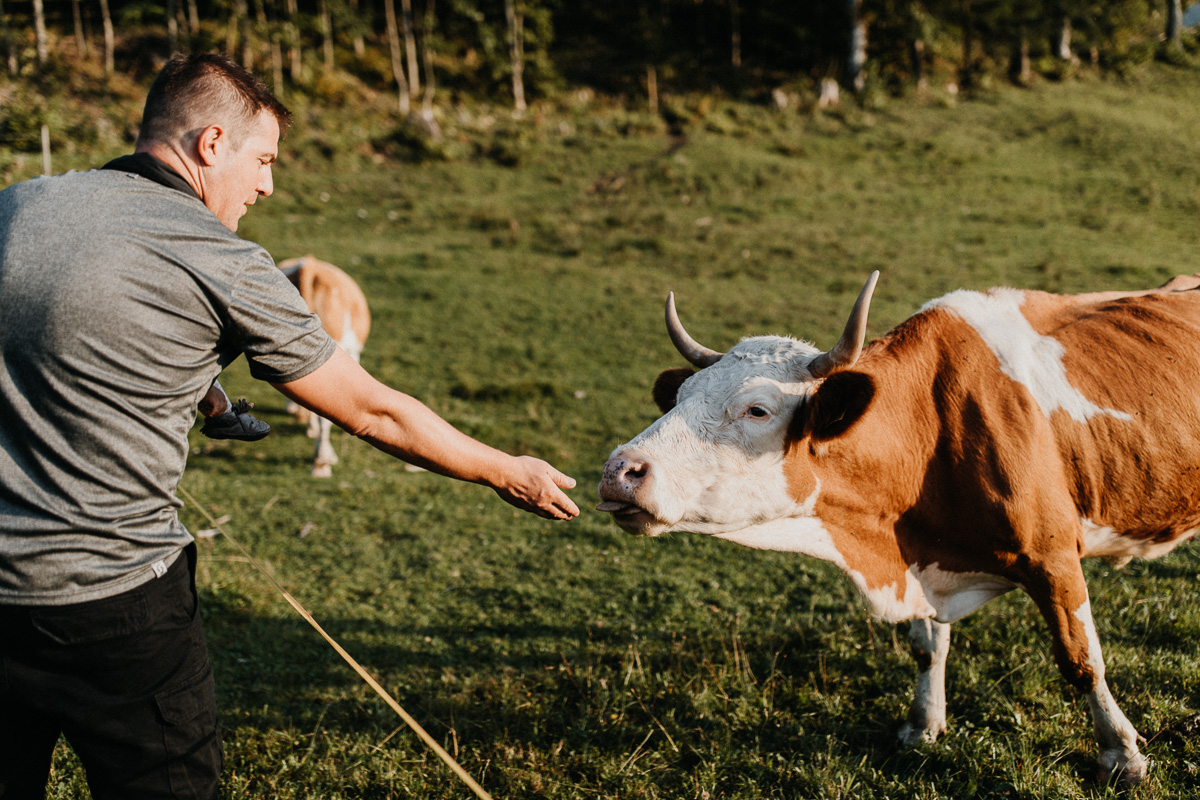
[[630, 472], [633, 473]]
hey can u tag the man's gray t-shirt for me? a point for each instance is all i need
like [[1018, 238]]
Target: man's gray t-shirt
[[120, 302]]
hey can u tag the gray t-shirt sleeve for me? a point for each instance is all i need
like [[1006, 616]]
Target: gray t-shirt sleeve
[[270, 323]]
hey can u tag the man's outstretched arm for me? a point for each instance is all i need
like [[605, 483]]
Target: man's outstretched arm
[[402, 426]]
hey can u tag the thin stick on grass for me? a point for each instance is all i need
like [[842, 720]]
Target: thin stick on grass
[[362, 673]]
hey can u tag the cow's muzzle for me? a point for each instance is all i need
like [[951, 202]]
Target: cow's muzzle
[[622, 489]]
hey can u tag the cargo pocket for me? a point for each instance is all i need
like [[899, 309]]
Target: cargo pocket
[[190, 739]]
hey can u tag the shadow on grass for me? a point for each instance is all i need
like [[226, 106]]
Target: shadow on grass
[[552, 687]]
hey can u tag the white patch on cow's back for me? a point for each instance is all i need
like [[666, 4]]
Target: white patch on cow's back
[[954, 595], [1100, 541], [1032, 360]]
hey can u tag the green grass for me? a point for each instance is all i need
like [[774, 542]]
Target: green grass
[[524, 304]]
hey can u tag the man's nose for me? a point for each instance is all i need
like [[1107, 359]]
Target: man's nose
[[265, 184]]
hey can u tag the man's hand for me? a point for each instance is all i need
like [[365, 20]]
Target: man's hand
[[532, 485]]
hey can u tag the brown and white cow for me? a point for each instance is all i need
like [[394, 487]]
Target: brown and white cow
[[987, 443], [333, 296]]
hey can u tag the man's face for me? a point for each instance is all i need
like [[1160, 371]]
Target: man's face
[[241, 175]]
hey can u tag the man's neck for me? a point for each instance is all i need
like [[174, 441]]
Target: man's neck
[[173, 158]]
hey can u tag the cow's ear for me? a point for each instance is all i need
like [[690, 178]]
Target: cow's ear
[[666, 387], [839, 402]]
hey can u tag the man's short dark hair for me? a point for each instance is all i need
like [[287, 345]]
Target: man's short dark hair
[[193, 92]]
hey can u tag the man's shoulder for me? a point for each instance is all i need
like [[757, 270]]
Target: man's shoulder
[[83, 184]]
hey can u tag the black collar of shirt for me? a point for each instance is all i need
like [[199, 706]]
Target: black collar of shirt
[[151, 168]]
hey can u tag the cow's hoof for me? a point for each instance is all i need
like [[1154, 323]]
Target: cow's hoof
[[912, 734], [1130, 770], [322, 471]]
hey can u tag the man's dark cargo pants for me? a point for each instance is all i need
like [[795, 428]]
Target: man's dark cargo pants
[[125, 680]]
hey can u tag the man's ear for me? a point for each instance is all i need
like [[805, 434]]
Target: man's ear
[[839, 402], [210, 143], [666, 387]]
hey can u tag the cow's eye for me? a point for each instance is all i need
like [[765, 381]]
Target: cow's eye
[[757, 412]]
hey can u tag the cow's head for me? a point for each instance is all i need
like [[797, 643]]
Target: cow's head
[[717, 460]]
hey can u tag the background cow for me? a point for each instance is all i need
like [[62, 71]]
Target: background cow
[[989, 442], [333, 296]]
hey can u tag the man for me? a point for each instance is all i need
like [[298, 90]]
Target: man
[[123, 293]]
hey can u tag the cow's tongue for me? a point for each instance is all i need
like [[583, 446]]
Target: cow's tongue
[[614, 507]]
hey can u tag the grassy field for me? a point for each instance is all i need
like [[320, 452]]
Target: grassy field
[[523, 303]]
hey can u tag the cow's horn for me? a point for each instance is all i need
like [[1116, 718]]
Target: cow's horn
[[697, 354], [846, 351]]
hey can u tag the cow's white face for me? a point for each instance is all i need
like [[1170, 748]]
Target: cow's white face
[[715, 462]]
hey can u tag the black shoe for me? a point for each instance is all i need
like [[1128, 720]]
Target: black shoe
[[236, 423]]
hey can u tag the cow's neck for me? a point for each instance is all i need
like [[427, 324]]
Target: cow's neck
[[862, 482]]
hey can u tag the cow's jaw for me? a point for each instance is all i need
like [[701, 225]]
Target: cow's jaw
[[633, 519]]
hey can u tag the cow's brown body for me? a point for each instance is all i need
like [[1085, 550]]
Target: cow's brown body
[[338, 301], [989, 442]]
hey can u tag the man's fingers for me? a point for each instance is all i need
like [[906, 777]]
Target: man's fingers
[[566, 506], [562, 480]]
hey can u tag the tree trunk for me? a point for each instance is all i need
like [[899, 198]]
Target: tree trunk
[[410, 47], [1062, 47], [261, 28], [735, 35], [393, 35], [856, 56], [516, 51], [110, 44], [237, 11], [172, 28], [245, 32], [430, 83], [193, 18], [652, 88], [46, 165], [1019, 70], [81, 47], [39, 27], [965, 77], [360, 47], [918, 63], [277, 65], [292, 32], [1174, 22], [10, 49], [326, 23]]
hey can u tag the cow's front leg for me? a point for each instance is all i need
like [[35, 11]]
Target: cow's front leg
[[324, 457], [930, 641], [1061, 596]]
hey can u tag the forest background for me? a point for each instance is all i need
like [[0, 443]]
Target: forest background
[[432, 55]]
